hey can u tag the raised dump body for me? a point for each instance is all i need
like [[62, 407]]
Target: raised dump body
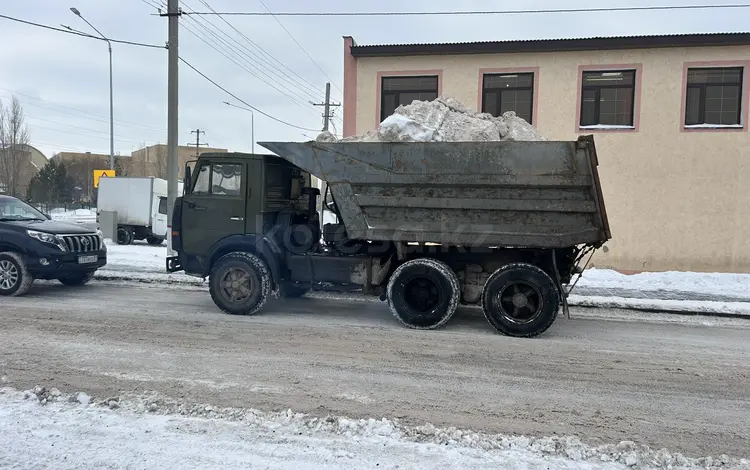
[[504, 194]]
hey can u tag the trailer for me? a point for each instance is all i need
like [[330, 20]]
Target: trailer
[[425, 226]]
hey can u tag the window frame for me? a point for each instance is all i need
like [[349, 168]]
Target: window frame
[[636, 106], [743, 98], [533, 71], [402, 74]]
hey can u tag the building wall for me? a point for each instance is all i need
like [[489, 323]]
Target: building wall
[[676, 199], [152, 161]]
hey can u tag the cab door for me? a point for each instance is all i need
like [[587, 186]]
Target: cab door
[[214, 208]]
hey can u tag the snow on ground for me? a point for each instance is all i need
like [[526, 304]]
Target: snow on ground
[[44, 428], [669, 291], [78, 216]]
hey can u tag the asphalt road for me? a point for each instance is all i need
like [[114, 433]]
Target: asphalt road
[[683, 386]]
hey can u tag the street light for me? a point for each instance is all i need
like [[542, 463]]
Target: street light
[[111, 103], [252, 124]]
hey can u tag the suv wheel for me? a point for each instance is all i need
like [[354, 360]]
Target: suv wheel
[[78, 279], [15, 279]]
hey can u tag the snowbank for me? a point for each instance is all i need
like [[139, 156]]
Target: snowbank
[[445, 119], [54, 430]]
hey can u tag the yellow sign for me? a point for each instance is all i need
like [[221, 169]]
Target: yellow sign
[[102, 174]]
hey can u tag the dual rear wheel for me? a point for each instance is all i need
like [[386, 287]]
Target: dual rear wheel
[[518, 299]]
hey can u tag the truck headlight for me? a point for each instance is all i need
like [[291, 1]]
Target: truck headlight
[[48, 238]]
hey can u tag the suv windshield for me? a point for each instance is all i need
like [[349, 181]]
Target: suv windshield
[[14, 209]]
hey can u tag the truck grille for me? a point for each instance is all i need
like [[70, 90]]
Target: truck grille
[[82, 243]]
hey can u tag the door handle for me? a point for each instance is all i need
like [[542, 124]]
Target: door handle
[[195, 206], [238, 219]]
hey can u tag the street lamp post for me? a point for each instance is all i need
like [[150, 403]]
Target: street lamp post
[[111, 101], [252, 124]]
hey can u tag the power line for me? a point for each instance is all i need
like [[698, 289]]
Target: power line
[[485, 12], [226, 47], [303, 81], [300, 46], [78, 33], [235, 58], [243, 101]]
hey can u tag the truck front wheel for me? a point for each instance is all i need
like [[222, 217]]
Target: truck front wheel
[[423, 293], [240, 283], [520, 300]]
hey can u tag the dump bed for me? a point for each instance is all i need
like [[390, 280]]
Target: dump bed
[[509, 194]]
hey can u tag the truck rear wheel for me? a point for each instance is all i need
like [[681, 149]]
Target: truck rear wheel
[[240, 283], [423, 293], [520, 300], [124, 236]]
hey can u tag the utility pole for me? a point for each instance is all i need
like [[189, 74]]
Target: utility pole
[[327, 107], [173, 14], [198, 143]]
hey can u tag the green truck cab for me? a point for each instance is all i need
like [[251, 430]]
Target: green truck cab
[[418, 224]]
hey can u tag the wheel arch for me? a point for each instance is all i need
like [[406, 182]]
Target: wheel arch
[[248, 244]]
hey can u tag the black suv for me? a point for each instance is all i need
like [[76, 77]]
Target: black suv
[[32, 246]]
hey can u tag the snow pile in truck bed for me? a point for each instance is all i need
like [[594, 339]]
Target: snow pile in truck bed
[[445, 119]]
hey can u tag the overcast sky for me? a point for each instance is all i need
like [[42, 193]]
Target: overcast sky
[[63, 80]]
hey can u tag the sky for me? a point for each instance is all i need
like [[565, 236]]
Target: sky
[[62, 80]]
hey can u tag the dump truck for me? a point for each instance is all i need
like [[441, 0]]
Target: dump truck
[[426, 226]]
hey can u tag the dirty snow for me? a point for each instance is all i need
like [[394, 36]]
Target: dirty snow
[[46, 429], [445, 119], [723, 293]]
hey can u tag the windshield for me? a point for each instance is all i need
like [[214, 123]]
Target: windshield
[[14, 209]]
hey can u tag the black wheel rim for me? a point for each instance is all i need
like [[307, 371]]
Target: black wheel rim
[[236, 285], [422, 295], [518, 302], [122, 237]]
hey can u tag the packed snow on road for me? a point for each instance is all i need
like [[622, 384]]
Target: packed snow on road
[[77, 432], [724, 293]]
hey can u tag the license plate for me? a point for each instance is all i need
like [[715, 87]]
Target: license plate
[[88, 259]]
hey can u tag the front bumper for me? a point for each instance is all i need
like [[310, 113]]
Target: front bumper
[[51, 263]]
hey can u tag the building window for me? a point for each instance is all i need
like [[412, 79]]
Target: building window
[[713, 97], [608, 98], [508, 92], [397, 91]]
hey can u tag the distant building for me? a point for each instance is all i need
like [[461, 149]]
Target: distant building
[[152, 160], [81, 166], [670, 114], [33, 161]]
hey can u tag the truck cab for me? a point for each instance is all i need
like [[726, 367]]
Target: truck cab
[[232, 202]]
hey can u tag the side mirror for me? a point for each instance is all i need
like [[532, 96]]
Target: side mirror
[[186, 180]]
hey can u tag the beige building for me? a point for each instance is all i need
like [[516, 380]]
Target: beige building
[[669, 114], [152, 160], [32, 161]]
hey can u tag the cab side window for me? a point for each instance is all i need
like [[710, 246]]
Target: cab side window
[[219, 179], [226, 180]]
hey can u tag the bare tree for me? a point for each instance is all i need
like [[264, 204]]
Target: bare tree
[[14, 141]]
